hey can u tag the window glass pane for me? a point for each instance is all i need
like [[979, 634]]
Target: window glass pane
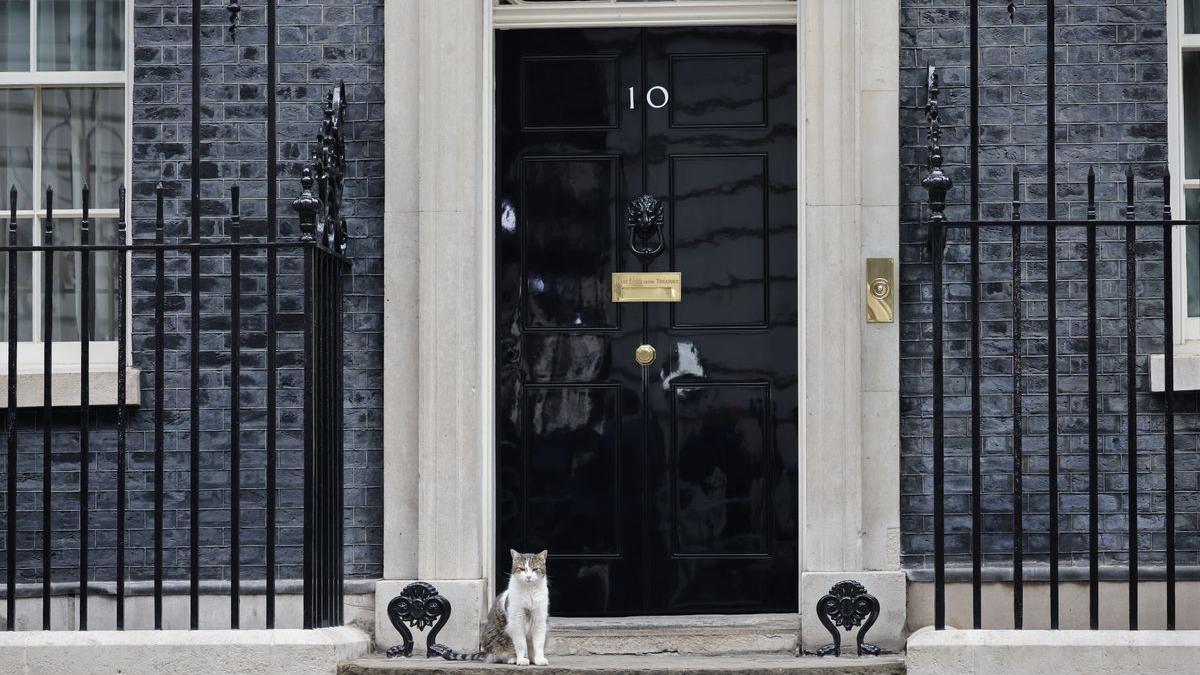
[[1191, 114], [81, 34], [14, 35], [83, 141], [16, 146], [1192, 257], [67, 282], [24, 284], [1191, 16]]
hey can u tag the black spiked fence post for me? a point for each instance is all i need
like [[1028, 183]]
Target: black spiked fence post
[[1093, 416], [47, 407], [11, 415], [1169, 392], [1131, 377], [121, 399], [159, 400], [235, 410], [1018, 538], [937, 184], [85, 337]]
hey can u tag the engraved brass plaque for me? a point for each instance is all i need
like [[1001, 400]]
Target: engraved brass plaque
[[881, 307], [647, 287]]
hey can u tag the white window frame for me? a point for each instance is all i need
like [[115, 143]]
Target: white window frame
[[1187, 331], [613, 13], [102, 356]]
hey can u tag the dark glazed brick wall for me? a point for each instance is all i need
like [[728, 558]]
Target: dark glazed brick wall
[[319, 43], [1112, 114]]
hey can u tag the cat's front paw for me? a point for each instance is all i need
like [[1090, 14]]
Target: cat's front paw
[[540, 661], [522, 661]]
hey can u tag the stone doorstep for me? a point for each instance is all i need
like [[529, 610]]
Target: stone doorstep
[[695, 635], [750, 664]]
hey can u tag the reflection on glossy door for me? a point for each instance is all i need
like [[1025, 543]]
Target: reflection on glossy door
[[668, 486]]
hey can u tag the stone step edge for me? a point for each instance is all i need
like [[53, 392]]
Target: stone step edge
[[734, 663], [706, 635]]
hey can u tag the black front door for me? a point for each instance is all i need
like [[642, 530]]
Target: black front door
[[669, 488]]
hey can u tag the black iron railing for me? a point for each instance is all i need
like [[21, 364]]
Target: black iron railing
[[297, 345], [1135, 251], [320, 254]]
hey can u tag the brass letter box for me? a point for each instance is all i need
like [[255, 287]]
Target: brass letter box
[[647, 287]]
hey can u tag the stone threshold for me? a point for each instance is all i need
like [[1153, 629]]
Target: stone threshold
[[750, 664], [697, 635]]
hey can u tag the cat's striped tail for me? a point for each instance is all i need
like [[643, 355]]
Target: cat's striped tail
[[451, 655]]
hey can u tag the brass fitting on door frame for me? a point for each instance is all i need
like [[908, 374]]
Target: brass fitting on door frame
[[881, 290]]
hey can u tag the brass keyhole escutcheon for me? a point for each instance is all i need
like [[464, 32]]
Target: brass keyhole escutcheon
[[644, 355]]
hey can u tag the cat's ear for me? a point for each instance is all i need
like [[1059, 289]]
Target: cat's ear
[[542, 556], [514, 554]]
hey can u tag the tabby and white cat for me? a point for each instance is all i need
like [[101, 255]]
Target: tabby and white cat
[[516, 626]]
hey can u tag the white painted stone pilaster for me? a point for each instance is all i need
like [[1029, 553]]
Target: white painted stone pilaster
[[879, 124], [435, 522], [850, 500], [450, 151], [401, 380]]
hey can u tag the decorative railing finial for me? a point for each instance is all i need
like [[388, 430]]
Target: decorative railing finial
[[321, 212], [1091, 193], [937, 184], [1012, 12], [307, 205], [1130, 192], [1167, 195], [234, 8]]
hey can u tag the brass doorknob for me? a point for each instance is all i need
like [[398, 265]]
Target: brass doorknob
[[644, 355]]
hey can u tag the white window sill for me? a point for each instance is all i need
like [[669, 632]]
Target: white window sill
[[1187, 370], [65, 384]]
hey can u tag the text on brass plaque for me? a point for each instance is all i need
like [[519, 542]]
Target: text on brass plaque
[[647, 287]]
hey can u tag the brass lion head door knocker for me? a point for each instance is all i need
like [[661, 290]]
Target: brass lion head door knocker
[[644, 220]]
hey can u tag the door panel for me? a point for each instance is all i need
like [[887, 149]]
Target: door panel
[[573, 464], [570, 92], [669, 488], [720, 492], [570, 242], [720, 89], [718, 206]]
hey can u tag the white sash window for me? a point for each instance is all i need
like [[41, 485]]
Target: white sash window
[[64, 121]]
